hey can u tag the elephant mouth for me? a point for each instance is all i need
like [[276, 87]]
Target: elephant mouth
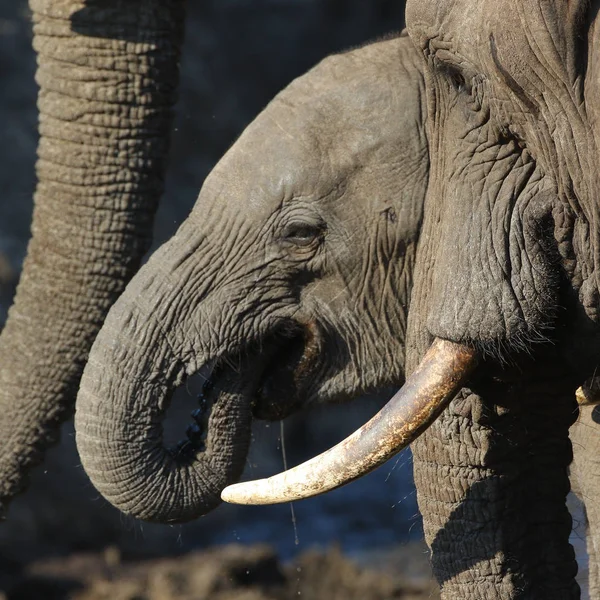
[[287, 378], [442, 372], [288, 362]]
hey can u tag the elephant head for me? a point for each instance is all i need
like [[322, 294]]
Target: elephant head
[[290, 279], [506, 269]]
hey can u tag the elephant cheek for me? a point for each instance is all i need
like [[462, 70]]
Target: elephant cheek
[[493, 260]]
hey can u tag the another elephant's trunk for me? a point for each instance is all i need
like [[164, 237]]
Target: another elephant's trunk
[[108, 75], [426, 393], [149, 344]]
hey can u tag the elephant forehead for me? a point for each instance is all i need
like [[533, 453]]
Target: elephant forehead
[[295, 151], [346, 121], [271, 161], [427, 19], [474, 27]]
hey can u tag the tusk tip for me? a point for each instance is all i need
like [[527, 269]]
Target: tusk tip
[[261, 492], [239, 493]]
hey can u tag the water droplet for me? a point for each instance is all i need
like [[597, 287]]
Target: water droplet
[[194, 432]]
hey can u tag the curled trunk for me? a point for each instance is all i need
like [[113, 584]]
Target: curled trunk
[[108, 75], [137, 361]]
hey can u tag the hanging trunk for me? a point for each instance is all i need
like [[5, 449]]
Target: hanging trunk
[[108, 75], [492, 481]]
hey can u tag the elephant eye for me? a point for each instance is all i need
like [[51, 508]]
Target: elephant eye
[[458, 80], [302, 234], [445, 63]]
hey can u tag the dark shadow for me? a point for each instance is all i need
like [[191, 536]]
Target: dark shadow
[[512, 521], [49, 588], [127, 20], [341, 23]]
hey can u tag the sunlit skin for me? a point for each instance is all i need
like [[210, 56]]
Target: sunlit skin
[[507, 264], [291, 275]]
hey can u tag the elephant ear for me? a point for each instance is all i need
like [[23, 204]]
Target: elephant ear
[[586, 33], [562, 38]]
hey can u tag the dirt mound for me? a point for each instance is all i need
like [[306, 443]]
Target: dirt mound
[[226, 573]]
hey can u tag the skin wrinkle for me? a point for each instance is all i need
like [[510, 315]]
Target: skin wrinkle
[[385, 276], [210, 282], [475, 521], [556, 74], [367, 279], [558, 139], [510, 82], [503, 263], [576, 118], [254, 290]]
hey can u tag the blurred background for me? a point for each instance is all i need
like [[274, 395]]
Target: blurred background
[[237, 55]]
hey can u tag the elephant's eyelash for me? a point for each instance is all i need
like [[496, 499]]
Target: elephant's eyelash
[[452, 68], [458, 80]]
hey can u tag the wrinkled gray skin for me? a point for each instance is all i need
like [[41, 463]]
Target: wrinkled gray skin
[[291, 276], [104, 123], [329, 299], [508, 262]]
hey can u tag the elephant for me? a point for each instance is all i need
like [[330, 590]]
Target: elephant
[[324, 336], [108, 81], [283, 312], [505, 296], [290, 280]]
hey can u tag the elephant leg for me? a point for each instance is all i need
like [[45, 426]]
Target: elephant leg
[[585, 472], [492, 480]]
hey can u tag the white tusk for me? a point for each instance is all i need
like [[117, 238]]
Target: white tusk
[[437, 379]]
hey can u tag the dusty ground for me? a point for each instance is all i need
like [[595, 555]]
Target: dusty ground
[[227, 573]]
